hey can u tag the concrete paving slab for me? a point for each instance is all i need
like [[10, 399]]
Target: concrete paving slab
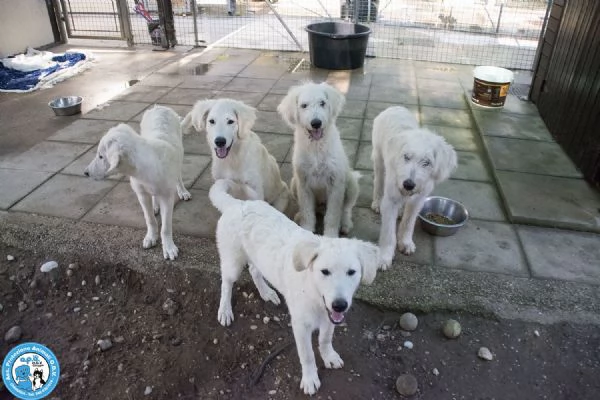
[[181, 110], [84, 131], [263, 71], [283, 85], [484, 247], [534, 157], [120, 207], [78, 166], [403, 81], [471, 167], [46, 156], [367, 130], [444, 99], [193, 166], [514, 105], [357, 92], [226, 69], [497, 123], [144, 94], [278, 145], [195, 143], [205, 180], [16, 184], [250, 85], [270, 121], [186, 96], [158, 79], [550, 201], [367, 225], [460, 138], [564, 255], [365, 196], [65, 196], [250, 98], [286, 172], [270, 102], [196, 217], [446, 117], [449, 84], [374, 108], [392, 94], [480, 198], [363, 160], [350, 128], [354, 108], [117, 111], [351, 149], [205, 82]]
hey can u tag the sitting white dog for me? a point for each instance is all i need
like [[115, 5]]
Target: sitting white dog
[[408, 161], [322, 173], [317, 275], [153, 161], [238, 153]]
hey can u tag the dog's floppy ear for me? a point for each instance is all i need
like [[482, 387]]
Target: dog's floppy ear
[[444, 162], [200, 113], [336, 99], [288, 108], [246, 116], [369, 257], [305, 254], [113, 155]]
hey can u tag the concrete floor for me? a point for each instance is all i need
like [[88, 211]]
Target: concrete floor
[[513, 178]]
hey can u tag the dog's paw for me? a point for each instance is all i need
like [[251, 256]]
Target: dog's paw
[[332, 360], [387, 255], [271, 296], [375, 206], [407, 248], [346, 227], [150, 240], [170, 251], [225, 316], [184, 195], [385, 264], [310, 383]]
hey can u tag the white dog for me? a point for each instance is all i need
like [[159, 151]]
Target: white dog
[[322, 174], [238, 154], [408, 161], [316, 275], [153, 162]]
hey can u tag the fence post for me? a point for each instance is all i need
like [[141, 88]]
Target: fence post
[[194, 7], [125, 19]]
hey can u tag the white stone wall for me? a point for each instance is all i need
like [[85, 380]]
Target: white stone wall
[[23, 23]]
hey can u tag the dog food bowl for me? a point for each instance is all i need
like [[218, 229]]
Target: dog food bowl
[[441, 208], [69, 105]]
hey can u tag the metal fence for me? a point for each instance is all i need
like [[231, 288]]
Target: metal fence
[[496, 32]]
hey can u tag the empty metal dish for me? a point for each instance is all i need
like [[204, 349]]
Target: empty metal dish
[[69, 105], [441, 216]]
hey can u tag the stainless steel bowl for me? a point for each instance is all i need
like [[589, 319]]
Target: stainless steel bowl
[[446, 207], [69, 105]]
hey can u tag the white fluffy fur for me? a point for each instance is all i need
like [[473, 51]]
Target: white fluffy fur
[[403, 152], [153, 162], [247, 162], [322, 173], [311, 272]]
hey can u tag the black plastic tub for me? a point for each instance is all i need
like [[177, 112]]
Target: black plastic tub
[[337, 45]]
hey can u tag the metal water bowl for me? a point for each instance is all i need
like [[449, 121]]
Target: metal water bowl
[[443, 207], [69, 105]]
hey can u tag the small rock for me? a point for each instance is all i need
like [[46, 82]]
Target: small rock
[[276, 319], [69, 294], [95, 298], [22, 306], [110, 299], [48, 266], [408, 344], [536, 333], [1, 307], [407, 385], [215, 341], [13, 334], [148, 390], [170, 306], [405, 334], [97, 280], [272, 392], [39, 303], [380, 337], [10, 258], [176, 341], [451, 329], [266, 320], [250, 347], [409, 321], [104, 344], [119, 339], [435, 372], [69, 272], [87, 363], [73, 266], [253, 327], [485, 354], [33, 284], [77, 309], [387, 327], [120, 367], [83, 322]]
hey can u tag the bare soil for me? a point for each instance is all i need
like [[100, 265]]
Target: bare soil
[[188, 355]]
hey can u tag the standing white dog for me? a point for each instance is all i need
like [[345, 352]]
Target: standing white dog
[[408, 161], [153, 162], [317, 275], [239, 154], [322, 173]]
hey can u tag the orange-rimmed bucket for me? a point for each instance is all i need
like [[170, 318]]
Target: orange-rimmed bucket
[[490, 86]]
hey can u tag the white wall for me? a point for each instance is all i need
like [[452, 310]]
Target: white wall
[[23, 23]]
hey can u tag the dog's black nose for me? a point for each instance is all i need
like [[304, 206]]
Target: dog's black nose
[[86, 173], [220, 141], [409, 184], [339, 305], [316, 123]]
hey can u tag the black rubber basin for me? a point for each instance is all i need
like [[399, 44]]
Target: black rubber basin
[[337, 45]]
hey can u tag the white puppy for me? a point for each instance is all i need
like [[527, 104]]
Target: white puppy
[[153, 162], [322, 173], [408, 161], [316, 275], [238, 154]]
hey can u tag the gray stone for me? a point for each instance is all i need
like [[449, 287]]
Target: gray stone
[[193, 166], [543, 158], [205, 181], [497, 123], [46, 156], [17, 184], [482, 246], [408, 321], [451, 329], [550, 201], [104, 344], [471, 167], [65, 196], [354, 108], [278, 145], [367, 130], [564, 255], [485, 354], [481, 199], [446, 117], [48, 266], [22, 306], [197, 217], [170, 306], [407, 385], [463, 139], [443, 98], [350, 128], [119, 207], [117, 111], [195, 143], [270, 121], [84, 131], [13, 334]]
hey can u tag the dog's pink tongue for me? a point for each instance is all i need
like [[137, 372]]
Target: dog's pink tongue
[[316, 134], [337, 317], [221, 152]]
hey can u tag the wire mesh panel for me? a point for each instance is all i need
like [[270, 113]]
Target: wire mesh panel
[[92, 19], [183, 18]]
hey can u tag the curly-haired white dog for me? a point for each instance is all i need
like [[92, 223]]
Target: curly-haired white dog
[[316, 275], [408, 161], [322, 173], [238, 153], [153, 161]]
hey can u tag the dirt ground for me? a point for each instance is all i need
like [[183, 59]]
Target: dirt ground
[[181, 352]]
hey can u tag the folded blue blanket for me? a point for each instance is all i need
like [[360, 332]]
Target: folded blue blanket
[[11, 79]]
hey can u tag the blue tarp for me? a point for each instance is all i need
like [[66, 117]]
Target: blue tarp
[[11, 79]]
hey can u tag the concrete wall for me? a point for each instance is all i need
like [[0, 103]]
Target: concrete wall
[[23, 23]]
